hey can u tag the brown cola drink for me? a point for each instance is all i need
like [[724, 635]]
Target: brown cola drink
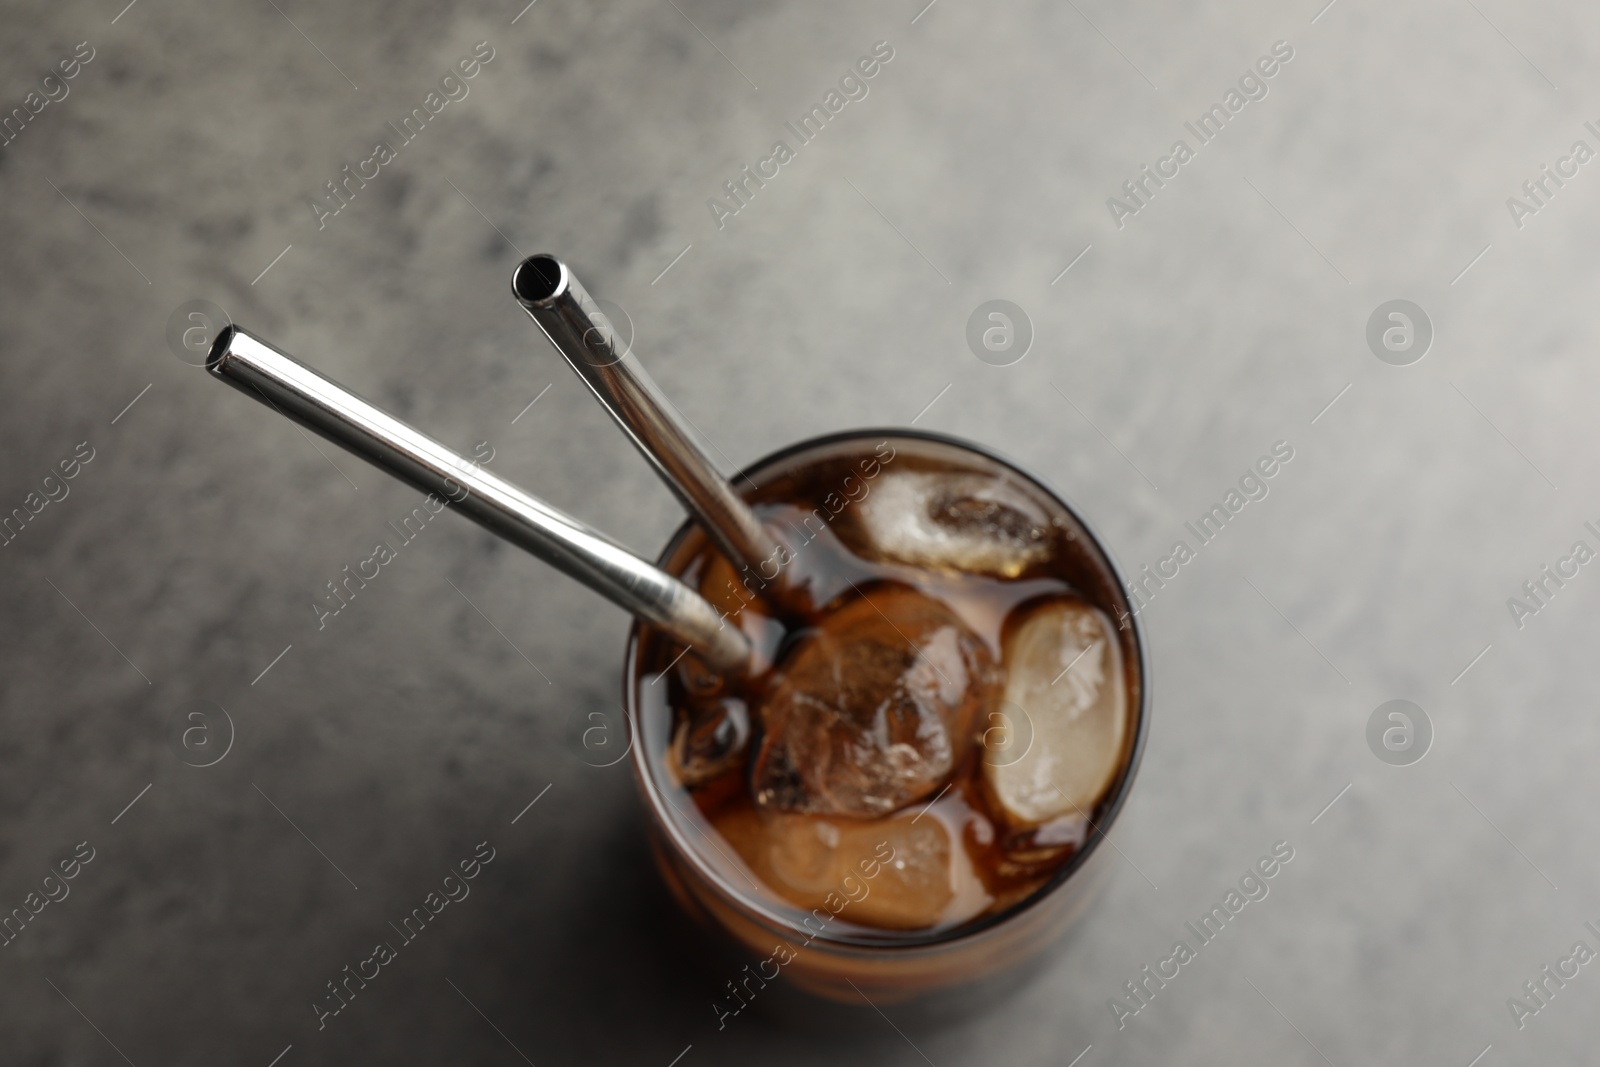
[[947, 713]]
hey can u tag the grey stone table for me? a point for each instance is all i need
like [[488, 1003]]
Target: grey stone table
[[1185, 318]]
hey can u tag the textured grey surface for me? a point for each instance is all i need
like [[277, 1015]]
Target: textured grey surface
[[1222, 318]]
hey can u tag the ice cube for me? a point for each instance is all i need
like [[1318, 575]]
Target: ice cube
[[964, 522], [710, 738], [874, 708], [1064, 676], [900, 873], [1036, 851]]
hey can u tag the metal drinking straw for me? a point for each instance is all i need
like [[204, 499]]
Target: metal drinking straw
[[293, 389], [579, 330]]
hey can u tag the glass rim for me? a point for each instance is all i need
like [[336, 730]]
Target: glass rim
[[662, 809]]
